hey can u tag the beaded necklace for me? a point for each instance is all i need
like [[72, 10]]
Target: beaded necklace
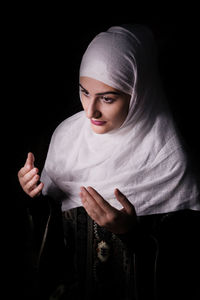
[[104, 239]]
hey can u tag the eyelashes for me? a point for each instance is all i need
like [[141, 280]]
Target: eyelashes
[[105, 99], [84, 92]]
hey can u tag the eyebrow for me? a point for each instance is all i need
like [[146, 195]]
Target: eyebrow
[[101, 94]]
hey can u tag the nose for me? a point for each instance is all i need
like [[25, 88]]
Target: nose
[[92, 110]]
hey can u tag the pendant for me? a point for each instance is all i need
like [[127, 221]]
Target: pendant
[[103, 251]]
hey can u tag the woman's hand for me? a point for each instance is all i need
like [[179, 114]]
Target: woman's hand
[[28, 177], [105, 215]]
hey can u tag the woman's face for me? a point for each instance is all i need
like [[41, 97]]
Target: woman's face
[[106, 107]]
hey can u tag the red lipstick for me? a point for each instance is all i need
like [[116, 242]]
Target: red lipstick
[[98, 123]]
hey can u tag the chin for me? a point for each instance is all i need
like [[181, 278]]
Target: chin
[[100, 129]]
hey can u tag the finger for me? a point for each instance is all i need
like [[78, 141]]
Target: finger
[[129, 208], [29, 164], [28, 175], [99, 199], [23, 171], [31, 184], [88, 199], [90, 205], [37, 190], [30, 160]]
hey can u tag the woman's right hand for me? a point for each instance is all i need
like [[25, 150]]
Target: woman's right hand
[[29, 178]]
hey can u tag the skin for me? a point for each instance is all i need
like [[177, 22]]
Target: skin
[[101, 103], [29, 178], [114, 220]]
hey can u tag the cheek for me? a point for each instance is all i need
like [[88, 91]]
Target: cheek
[[120, 115], [84, 103]]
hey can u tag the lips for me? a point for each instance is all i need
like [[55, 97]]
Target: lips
[[98, 123]]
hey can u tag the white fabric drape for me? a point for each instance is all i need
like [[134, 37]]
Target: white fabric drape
[[144, 158]]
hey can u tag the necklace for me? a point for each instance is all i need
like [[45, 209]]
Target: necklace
[[104, 239]]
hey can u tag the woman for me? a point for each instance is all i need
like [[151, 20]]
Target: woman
[[119, 169]]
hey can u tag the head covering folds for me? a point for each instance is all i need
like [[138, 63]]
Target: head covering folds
[[144, 158]]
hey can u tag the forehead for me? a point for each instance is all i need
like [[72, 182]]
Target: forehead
[[96, 86]]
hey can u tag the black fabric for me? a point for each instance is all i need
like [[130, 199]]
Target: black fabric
[[163, 260]]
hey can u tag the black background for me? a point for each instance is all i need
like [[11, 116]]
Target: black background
[[43, 47], [42, 64]]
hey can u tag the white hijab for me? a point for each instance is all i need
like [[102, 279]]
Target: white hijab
[[144, 158]]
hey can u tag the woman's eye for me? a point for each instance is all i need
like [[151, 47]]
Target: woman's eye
[[108, 100], [85, 93]]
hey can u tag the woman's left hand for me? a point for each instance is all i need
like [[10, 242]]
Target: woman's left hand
[[105, 215]]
